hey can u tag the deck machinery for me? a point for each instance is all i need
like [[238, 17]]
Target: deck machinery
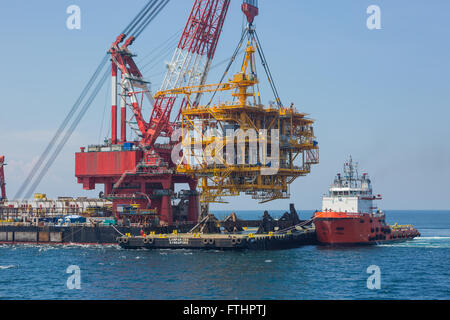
[[144, 172]]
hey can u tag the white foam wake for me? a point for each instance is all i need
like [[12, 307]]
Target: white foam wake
[[422, 242], [7, 267]]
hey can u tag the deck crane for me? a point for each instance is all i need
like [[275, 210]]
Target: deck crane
[[141, 172], [2, 179]]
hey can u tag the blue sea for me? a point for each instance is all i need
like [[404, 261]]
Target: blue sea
[[418, 269]]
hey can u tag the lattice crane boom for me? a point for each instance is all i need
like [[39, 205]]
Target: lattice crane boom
[[190, 63], [189, 67]]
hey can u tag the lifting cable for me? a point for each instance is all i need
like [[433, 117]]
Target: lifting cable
[[266, 68], [108, 94], [160, 47], [153, 14], [233, 57], [253, 36], [130, 28], [68, 133], [158, 56], [61, 128], [218, 64]]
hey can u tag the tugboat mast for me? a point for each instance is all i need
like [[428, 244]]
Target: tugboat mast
[[351, 173]]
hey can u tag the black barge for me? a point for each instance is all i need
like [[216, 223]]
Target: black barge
[[272, 241], [210, 233], [231, 234]]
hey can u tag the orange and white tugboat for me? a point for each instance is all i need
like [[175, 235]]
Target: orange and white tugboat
[[348, 215]]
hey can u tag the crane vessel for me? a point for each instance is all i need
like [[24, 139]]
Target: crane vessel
[[143, 172], [193, 137]]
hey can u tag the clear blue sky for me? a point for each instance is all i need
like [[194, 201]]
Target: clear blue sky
[[381, 95]]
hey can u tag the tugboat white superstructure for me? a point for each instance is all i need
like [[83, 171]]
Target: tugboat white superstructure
[[351, 193]]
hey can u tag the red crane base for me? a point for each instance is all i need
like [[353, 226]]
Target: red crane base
[[129, 182]]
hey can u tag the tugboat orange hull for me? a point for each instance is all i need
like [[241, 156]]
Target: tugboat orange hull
[[359, 228]]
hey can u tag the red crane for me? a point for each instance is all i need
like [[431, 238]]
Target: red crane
[[2, 178], [141, 172]]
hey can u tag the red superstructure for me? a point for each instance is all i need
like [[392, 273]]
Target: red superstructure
[[141, 173], [348, 215], [2, 178]]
